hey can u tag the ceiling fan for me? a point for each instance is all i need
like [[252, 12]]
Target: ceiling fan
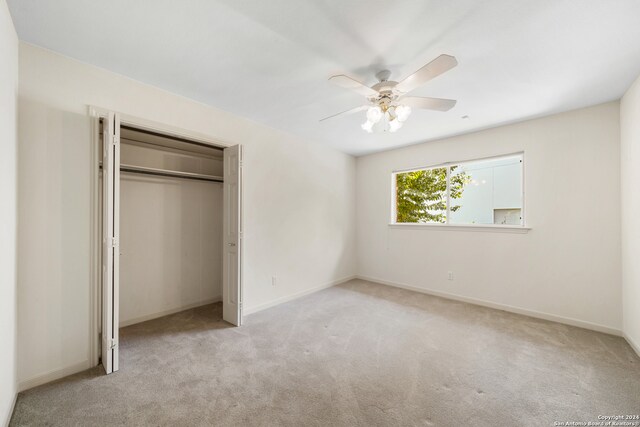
[[388, 107]]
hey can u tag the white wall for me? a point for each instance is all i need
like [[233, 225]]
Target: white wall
[[630, 178], [298, 195], [8, 161], [566, 268]]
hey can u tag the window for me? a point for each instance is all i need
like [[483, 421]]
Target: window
[[481, 192]]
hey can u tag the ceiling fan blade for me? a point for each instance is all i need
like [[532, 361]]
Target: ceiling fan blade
[[441, 64], [351, 84], [438, 104], [346, 113]]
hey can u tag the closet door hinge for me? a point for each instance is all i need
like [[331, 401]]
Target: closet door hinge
[[114, 242], [114, 140], [113, 344]]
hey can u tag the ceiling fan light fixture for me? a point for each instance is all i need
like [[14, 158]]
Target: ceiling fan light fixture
[[394, 125], [374, 114], [367, 126], [402, 112]]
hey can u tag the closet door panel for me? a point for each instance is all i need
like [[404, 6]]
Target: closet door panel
[[232, 230], [110, 241]]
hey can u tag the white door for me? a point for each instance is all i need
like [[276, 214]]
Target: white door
[[232, 230], [110, 240]]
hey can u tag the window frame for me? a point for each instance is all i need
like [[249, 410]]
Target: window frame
[[522, 228]]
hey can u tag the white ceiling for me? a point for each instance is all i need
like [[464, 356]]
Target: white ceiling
[[270, 60]]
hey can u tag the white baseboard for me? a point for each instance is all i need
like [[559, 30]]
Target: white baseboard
[[634, 345], [250, 310], [498, 306], [53, 375], [11, 408], [168, 312]]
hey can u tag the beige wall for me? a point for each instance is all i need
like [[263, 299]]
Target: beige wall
[[567, 268], [8, 161], [630, 179], [299, 204]]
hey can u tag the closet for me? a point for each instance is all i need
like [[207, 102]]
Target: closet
[[171, 227]]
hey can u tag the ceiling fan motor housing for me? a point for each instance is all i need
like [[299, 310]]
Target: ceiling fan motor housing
[[384, 88], [386, 94]]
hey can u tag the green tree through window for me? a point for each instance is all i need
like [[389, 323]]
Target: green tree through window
[[421, 196]]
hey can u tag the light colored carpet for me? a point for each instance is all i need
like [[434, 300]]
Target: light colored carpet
[[357, 354]]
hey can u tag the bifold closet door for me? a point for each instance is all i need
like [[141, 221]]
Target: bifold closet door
[[232, 232], [110, 240]]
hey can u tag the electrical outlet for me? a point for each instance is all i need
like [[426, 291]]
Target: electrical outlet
[[273, 280], [450, 276]]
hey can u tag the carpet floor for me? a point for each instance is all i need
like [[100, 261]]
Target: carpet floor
[[359, 354]]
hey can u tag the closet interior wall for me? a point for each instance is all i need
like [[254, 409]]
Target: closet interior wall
[[170, 227]]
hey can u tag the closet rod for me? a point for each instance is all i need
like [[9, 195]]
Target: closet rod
[[164, 172]]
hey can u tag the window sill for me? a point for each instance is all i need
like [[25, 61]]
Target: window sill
[[519, 229]]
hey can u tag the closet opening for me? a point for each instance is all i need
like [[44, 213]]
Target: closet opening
[[170, 219]]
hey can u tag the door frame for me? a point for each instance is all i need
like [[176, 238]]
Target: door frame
[[96, 113]]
